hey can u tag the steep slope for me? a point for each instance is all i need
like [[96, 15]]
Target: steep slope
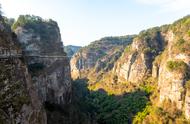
[[19, 102]]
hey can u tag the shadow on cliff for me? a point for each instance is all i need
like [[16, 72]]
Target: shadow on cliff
[[100, 107]]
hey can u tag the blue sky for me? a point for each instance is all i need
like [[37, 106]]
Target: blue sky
[[83, 21]]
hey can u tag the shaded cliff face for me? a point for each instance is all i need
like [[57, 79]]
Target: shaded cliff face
[[47, 62], [98, 56], [19, 102]]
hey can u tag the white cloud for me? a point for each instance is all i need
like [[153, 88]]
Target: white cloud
[[168, 5]]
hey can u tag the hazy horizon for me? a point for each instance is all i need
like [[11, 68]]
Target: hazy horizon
[[84, 21]]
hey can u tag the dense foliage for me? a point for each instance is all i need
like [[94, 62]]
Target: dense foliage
[[109, 109], [30, 21], [107, 43]]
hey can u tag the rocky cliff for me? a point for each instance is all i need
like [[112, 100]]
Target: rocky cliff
[[136, 61], [19, 101], [47, 62], [173, 70], [35, 72], [160, 54]]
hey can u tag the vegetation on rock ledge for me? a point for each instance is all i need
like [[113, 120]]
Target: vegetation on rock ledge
[[179, 66]]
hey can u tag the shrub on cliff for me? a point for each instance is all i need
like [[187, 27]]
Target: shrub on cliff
[[177, 66], [182, 46], [36, 23], [182, 26], [26, 19]]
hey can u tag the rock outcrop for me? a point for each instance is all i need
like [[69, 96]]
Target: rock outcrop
[[46, 59], [136, 62]]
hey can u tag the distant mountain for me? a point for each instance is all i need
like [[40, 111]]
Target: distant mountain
[[71, 49], [99, 55]]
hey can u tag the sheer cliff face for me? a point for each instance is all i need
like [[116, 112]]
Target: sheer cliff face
[[46, 60], [19, 102], [136, 62], [173, 68], [172, 81]]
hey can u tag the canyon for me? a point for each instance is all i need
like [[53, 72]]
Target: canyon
[[139, 79]]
